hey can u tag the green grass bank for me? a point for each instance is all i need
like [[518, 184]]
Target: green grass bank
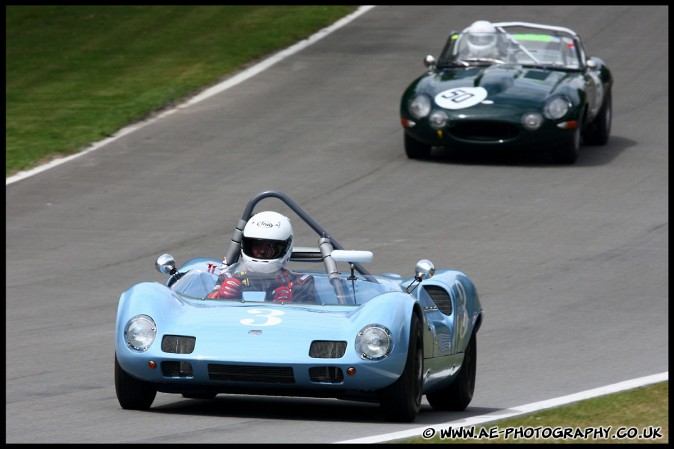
[[77, 74]]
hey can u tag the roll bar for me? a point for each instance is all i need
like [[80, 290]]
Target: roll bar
[[234, 250]]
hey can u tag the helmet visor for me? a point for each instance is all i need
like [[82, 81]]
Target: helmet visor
[[481, 39], [264, 248]]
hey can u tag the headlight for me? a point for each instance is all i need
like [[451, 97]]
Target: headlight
[[140, 332], [438, 119], [532, 121], [556, 107], [373, 342], [419, 106]]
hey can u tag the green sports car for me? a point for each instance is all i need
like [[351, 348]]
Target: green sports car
[[511, 85]]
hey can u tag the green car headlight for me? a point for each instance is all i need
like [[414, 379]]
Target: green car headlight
[[532, 121], [419, 106], [373, 342], [438, 119], [556, 107], [140, 332]]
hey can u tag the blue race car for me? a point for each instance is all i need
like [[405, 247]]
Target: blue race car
[[376, 338]]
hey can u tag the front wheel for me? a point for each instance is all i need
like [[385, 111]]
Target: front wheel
[[415, 149], [401, 401], [133, 394], [597, 132], [459, 393], [567, 151]]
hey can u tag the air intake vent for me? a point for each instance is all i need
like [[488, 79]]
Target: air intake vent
[[327, 349], [177, 344], [539, 75], [176, 369], [440, 297], [244, 373], [326, 374], [484, 132]]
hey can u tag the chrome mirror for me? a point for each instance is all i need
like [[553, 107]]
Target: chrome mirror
[[424, 270], [165, 264], [429, 61]]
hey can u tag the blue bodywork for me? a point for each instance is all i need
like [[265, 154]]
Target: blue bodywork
[[268, 334]]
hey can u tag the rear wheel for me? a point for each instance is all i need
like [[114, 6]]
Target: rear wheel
[[133, 394], [459, 393], [415, 149], [401, 401]]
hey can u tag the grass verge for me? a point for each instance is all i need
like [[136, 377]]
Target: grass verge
[[78, 74], [635, 416]]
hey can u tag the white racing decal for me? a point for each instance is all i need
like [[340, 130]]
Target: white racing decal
[[264, 317], [461, 97]]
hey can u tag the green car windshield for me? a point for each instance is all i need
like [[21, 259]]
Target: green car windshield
[[535, 47]]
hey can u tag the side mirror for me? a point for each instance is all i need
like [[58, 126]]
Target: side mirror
[[424, 270], [429, 61], [165, 264]]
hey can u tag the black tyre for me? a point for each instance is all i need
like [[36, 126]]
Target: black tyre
[[133, 394], [459, 393], [415, 149], [598, 132], [401, 401], [567, 152]]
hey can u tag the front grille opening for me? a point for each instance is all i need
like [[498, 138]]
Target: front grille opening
[[484, 131], [327, 349], [251, 373], [326, 374], [178, 344], [176, 369]]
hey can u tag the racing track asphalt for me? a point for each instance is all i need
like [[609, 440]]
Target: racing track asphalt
[[570, 262]]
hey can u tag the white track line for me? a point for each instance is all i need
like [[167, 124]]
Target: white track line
[[516, 411], [237, 79]]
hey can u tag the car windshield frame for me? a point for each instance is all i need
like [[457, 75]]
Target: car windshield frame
[[529, 45], [354, 290]]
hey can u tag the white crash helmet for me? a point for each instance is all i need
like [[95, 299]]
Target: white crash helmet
[[481, 38], [273, 233]]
